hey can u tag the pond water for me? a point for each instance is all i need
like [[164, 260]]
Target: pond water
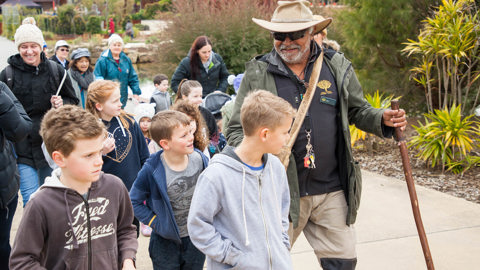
[[146, 72]]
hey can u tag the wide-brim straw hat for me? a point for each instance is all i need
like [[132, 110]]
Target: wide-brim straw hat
[[316, 30], [291, 16]]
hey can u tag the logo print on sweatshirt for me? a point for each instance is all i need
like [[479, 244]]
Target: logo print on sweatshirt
[[97, 208], [122, 145]]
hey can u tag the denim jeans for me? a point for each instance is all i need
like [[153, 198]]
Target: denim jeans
[[31, 179], [166, 254], [6, 219]]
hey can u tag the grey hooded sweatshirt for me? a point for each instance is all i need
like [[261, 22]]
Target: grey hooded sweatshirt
[[239, 217]]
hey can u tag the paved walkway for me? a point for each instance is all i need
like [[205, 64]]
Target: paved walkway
[[7, 49], [386, 233]]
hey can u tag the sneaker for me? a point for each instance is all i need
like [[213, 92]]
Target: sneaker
[[146, 231]]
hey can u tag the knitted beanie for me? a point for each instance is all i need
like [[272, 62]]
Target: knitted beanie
[[28, 33], [114, 39], [144, 110]]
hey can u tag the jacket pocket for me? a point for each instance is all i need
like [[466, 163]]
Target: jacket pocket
[[355, 192], [76, 262]]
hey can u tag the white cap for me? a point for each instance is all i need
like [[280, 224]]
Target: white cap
[[61, 43]]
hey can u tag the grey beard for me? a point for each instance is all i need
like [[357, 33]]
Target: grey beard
[[297, 59]]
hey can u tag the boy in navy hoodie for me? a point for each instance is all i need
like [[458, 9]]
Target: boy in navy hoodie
[[239, 212], [167, 182], [81, 218]]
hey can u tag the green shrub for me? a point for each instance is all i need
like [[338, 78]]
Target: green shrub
[[153, 8], [94, 24], [47, 35], [47, 22], [142, 27], [65, 19], [446, 137], [228, 23], [79, 25], [152, 40]]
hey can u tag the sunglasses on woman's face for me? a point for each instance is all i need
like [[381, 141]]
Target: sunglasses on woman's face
[[292, 35]]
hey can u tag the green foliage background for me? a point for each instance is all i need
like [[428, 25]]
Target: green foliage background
[[228, 24]]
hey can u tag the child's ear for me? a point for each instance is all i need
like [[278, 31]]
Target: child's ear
[[263, 132], [99, 106], [164, 144], [58, 158]]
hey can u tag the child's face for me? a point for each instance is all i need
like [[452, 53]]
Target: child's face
[[278, 136], [145, 123], [84, 163], [195, 96], [111, 107], [163, 86], [181, 142]]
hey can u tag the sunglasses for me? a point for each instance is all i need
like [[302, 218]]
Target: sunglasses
[[64, 50], [292, 35]]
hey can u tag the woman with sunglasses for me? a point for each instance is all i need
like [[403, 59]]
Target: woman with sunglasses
[[61, 53], [203, 65]]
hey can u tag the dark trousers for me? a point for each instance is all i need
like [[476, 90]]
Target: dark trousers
[[6, 219], [166, 254]]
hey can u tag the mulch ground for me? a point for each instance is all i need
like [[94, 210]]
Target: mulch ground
[[385, 159]]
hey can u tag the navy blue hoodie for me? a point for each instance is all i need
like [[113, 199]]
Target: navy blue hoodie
[[130, 152]]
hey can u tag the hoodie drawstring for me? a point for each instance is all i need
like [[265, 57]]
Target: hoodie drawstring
[[247, 242], [70, 221], [121, 126], [279, 213]]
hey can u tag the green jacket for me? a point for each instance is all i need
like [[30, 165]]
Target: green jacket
[[354, 109]]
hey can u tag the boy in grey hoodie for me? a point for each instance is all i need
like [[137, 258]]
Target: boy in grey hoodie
[[239, 211]]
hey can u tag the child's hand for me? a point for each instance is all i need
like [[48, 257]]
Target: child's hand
[[128, 265], [108, 145]]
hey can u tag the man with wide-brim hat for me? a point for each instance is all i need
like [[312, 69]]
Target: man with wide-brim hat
[[325, 191]]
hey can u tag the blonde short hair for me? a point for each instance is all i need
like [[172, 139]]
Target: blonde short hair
[[62, 127], [263, 109], [164, 122]]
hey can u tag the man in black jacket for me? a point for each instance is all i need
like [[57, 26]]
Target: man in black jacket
[[14, 127], [34, 81]]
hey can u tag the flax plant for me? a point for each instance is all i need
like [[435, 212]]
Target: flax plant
[[447, 55], [446, 137], [377, 100]]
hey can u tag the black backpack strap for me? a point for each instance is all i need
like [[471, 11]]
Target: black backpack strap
[[9, 75], [56, 73]]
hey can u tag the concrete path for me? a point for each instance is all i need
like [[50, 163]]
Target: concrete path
[[386, 232], [7, 49]]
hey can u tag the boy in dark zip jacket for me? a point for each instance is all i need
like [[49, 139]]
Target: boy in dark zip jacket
[[167, 182], [80, 218]]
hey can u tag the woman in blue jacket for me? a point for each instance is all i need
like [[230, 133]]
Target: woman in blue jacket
[[203, 65], [115, 65]]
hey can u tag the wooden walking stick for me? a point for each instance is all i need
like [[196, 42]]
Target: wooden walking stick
[[412, 192]]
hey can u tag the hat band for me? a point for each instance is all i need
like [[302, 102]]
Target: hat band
[[291, 21]]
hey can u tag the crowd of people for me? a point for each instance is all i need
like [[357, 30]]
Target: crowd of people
[[93, 177]]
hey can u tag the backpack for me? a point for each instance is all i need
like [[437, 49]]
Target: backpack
[[51, 65], [9, 177]]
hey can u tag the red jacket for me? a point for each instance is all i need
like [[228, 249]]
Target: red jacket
[[111, 26]]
